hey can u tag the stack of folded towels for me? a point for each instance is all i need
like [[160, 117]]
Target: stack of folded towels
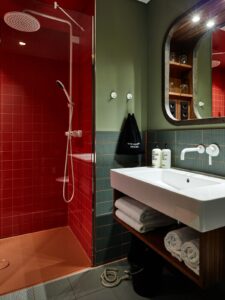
[[139, 216], [183, 243]]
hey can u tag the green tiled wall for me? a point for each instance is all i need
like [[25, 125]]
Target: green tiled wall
[[180, 139], [111, 240]]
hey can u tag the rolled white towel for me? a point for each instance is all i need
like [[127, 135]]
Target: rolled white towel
[[140, 227], [135, 209], [176, 238], [190, 255]]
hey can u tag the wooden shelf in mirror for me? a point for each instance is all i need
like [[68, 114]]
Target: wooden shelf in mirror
[[179, 95], [180, 88], [174, 64]]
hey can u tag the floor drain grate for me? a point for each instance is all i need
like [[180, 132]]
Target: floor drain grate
[[4, 263]]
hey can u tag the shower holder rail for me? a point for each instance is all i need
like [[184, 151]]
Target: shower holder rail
[[74, 133]]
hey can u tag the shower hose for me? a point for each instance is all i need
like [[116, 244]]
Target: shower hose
[[109, 278], [69, 154]]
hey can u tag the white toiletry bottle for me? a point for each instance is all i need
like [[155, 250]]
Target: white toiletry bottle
[[166, 158], [156, 157]]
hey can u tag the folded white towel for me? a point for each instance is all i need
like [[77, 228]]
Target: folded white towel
[[135, 209], [190, 255], [140, 227], [176, 238], [176, 254]]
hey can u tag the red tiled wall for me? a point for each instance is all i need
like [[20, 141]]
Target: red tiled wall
[[80, 209], [33, 119], [218, 93]]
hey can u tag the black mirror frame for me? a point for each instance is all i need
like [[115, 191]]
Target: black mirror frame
[[205, 121]]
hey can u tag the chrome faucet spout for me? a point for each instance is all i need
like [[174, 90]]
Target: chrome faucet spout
[[199, 149]]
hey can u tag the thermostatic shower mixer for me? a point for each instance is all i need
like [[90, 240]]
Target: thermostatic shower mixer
[[74, 133]]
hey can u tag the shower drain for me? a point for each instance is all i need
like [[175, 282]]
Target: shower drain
[[4, 263]]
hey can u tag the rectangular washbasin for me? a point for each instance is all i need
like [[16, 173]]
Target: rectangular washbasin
[[196, 200]]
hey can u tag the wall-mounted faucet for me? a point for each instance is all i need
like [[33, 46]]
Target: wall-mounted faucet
[[200, 149], [212, 150]]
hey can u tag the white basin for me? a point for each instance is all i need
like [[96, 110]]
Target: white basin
[[194, 199]]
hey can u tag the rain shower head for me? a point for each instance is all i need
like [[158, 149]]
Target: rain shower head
[[21, 21]]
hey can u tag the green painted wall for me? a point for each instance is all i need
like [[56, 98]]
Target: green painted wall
[[204, 75], [121, 62], [161, 14]]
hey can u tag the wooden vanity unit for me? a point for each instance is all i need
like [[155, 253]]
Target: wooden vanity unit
[[212, 251]]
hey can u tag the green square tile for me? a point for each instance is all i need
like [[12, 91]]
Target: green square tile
[[152, 136], [107, 148], [102, 184], [214, 136], [104, 208], [189, 137], [105, 160], [104, 196], [166, 137], [107, 136], [217, 167], [188, 155], [106, 219], [108, 230], [108, 242], [108, 254], [195, 164], [102, 172]]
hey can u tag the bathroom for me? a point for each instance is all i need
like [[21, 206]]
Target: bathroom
[[120, 50]]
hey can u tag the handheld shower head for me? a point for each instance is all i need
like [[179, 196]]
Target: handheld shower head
[[61, 86]]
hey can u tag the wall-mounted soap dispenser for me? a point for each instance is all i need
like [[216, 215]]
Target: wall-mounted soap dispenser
[[166, 158], [156, 157]]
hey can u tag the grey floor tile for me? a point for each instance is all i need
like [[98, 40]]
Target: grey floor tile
[[27, 294], [56, 290], [87, 286], [105, 294], [89, 282]]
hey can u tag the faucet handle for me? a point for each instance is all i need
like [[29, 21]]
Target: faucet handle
[[201, 149], [212, 150]]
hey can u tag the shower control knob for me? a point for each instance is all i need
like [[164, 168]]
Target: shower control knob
[[74, 133]]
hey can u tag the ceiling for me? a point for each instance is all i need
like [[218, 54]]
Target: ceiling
[[84, 6]]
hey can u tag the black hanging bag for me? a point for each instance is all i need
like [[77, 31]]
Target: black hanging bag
[[130, 141]]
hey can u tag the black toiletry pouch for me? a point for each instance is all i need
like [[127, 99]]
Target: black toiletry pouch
[[130, 141]]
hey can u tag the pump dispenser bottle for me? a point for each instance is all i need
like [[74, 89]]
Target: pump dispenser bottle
[[156, 157], [166, 158]]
